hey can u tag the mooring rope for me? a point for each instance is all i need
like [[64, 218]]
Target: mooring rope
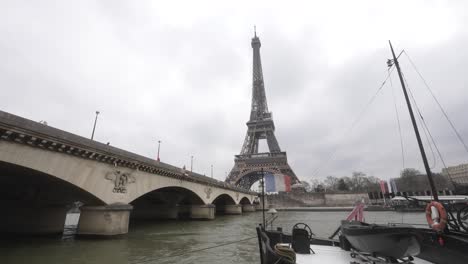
[[198, 250], [286, 254]]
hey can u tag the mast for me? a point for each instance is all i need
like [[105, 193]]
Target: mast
[[263, 199], [415, 126]]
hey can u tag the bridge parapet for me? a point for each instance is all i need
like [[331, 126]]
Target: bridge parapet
[[23, 131]]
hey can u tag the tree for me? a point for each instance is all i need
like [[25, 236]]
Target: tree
[[307, 186], [409, 172], [373, 184], [342, 186], [358, 180], [319, 188], [331, 183], [315, 185]]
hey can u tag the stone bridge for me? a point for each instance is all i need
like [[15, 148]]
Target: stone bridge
[[44, 170]]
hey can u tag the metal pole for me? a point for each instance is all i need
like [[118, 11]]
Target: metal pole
[[211, 171], [94, 127], [159, 146], [415, 126], [263, 199], [191, 163]]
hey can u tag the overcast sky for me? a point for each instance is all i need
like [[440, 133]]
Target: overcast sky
[[180, 72]]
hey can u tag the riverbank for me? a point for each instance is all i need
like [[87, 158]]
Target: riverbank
[[333, 209]]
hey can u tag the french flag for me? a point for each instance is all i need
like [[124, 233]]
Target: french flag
[[277, 182]]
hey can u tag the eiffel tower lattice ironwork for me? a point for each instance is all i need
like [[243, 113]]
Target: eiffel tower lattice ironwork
[[249, 162]]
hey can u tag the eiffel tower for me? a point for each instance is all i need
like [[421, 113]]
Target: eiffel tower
[[249, 162]]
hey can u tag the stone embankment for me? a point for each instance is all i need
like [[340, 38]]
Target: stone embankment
[[304, 200]]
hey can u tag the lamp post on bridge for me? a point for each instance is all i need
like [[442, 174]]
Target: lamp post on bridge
[[94, 127], [159, 147], [191, 163], [212, 171]]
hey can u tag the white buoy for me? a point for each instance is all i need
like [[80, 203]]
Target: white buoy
[[435, 215]]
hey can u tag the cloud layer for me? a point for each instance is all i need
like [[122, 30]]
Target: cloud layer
[[181, 73]]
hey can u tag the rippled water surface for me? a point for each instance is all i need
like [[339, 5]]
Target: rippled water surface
[[178, 241]]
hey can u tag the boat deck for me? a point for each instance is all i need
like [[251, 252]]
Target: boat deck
[[335, 255]]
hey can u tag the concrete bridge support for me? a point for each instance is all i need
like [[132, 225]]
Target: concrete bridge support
[[232, 209], [106, 220], [248, 208], [203, 212]]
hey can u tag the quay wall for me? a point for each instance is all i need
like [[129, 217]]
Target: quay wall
[[292, 199]]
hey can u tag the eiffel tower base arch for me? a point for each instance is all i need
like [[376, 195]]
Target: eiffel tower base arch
[[247, 168]]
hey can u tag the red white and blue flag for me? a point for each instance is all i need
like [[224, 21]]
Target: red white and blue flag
[[277, 182], [384, 187]]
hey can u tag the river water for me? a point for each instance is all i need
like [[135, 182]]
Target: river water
[[178, 241]]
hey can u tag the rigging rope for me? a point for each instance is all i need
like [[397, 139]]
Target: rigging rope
[[431, 137], [437, 101], [355, 122], [399, 126], [423, 123]]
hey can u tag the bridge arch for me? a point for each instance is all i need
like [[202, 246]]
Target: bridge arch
[[30, 185], [172, 202], [171, 195], [82, 173], [223, 201], [245, 200], [37, 202], [224, 198]]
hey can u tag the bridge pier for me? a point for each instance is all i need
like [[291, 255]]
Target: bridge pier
[[106, 220], [248, 208], [233, 209], [203, 212]]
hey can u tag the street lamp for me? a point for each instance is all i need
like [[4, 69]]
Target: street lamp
[[191, 163], [94, 127], [211, 171], [159, 147], [272, 212]]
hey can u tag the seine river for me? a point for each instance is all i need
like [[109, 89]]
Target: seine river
[[178, 241]]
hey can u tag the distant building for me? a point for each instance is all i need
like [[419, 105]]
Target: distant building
[[419, 185], [458, 174]]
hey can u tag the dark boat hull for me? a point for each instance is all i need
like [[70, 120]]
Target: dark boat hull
[[453, 247], [386, 241]]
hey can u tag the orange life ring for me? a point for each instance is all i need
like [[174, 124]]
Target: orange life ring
[[437, 226]]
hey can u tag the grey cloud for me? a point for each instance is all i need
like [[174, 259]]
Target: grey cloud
[[190, 85]]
